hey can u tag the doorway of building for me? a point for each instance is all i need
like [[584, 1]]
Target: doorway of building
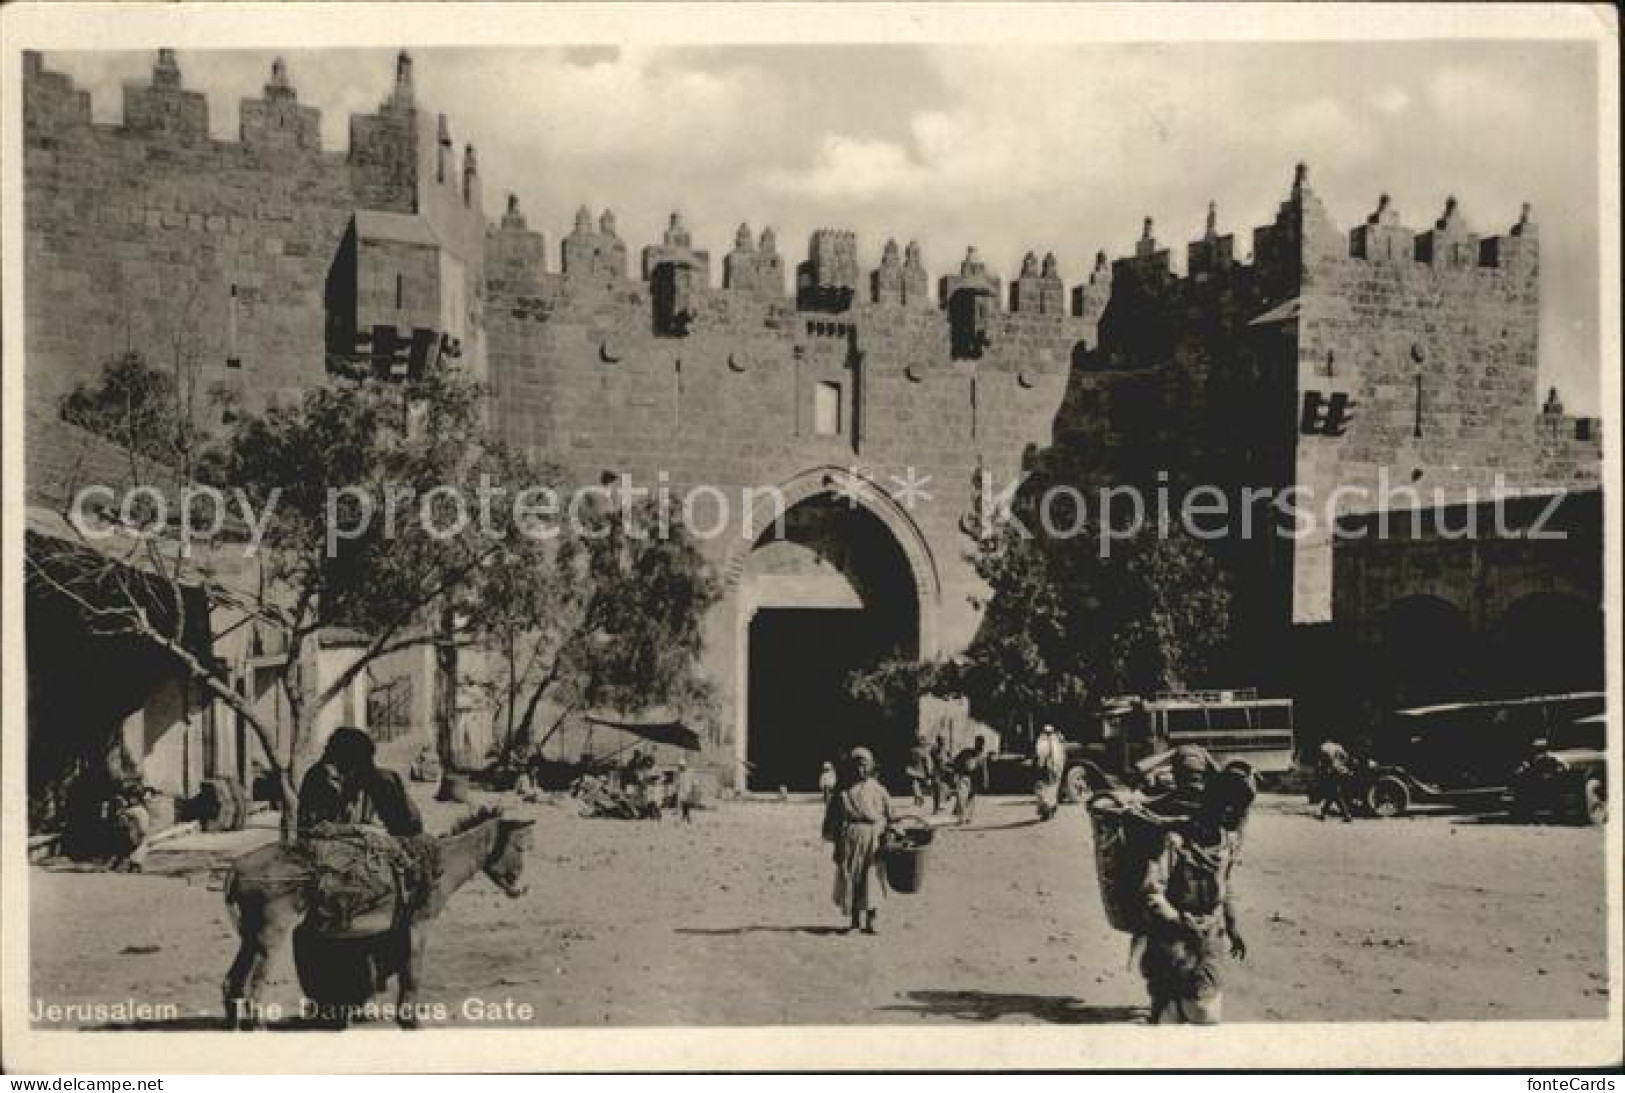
[[801, 712], [832, 593]]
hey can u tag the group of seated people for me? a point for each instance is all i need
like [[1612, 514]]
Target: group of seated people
[[636, 789]]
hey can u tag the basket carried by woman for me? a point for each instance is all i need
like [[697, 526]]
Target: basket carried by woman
[[903, 851]]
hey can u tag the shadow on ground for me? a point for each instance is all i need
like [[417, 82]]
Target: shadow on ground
[[986, 1006], [1507, 819], [737, 931], [975, 828]]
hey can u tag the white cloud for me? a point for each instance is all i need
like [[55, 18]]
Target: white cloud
[[1392, 100], [1328, 127], [628, 104], [851, 169], [1471, 95]]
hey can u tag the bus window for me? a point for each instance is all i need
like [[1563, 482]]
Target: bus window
[[1186, 721], [1130, 724], [1230, 718]]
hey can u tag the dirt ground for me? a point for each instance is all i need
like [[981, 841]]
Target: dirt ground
[[729, 921]]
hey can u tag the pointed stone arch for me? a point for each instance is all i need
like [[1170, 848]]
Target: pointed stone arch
[[759, 515], [862, 492]]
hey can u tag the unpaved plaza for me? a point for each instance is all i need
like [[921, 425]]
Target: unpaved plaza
[[728, 921]]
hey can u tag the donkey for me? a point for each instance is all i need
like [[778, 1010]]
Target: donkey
[[268, 894]]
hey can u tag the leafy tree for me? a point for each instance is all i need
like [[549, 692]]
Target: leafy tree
[[613, 622], [135, 406], [1068, 621], [895, 683], [157, 405], [307, 470]]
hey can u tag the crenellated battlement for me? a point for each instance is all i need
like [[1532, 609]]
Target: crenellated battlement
[[270, 248], [400, 158], [1303, 237], [165, 111], [404, 160], [401, 147], [1298, 245]]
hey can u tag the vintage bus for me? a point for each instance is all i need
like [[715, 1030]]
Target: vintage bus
[[1231, 725]]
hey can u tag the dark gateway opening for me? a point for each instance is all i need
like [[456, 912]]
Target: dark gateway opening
[[800, 713], [834, 594]]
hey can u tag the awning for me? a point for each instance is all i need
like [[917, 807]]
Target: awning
[[674, 733], [1570, 699], [68, 582]]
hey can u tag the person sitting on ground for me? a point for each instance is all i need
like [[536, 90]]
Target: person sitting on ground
[[854, 820], [346, 787], [524, 786]]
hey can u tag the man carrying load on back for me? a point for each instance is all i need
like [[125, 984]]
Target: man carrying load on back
[[1190, 916], [1178, 780]]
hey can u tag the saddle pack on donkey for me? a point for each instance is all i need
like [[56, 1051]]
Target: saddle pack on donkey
[[352, 870]]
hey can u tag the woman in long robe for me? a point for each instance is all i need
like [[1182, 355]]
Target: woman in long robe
[[855, 818]]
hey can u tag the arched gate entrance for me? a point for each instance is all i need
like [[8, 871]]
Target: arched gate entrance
[[842, 581]]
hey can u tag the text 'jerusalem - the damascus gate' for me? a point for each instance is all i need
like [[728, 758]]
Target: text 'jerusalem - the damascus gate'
[[851, 388]]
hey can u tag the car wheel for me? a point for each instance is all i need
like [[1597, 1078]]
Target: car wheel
[[1388, 797], [1594, 799], [1522, 810], [1076, 784]]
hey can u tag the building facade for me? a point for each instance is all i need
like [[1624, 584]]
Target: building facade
[[833, 430]]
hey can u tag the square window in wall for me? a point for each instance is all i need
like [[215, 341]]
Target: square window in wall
[[827, 409]]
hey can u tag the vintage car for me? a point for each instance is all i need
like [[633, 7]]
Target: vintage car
[[1569, 777], [1461, 753]]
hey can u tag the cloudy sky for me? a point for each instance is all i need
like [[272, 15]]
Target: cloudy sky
[[1062, 148]]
